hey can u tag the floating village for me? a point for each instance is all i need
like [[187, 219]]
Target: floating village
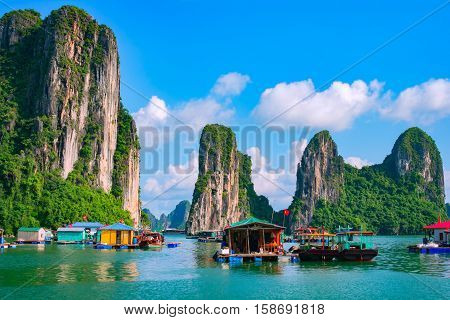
[[249, 240]]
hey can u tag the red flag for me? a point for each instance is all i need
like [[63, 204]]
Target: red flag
[[286, 212]]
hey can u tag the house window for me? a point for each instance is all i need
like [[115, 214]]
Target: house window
[[441, 236]]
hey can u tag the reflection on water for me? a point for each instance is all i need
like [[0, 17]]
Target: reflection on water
[[190, 272]]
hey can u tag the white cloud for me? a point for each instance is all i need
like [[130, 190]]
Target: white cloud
[[230, 84], [154, 113], [163, 190], [334, 108], [424, 103], [157, 116], [278, 185], [447, 185], [357, 162]]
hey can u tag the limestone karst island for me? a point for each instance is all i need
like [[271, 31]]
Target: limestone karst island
[[83, 217]]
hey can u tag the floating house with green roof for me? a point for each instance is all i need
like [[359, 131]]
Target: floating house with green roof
[[71, 235], [31, 235], [251, 239]]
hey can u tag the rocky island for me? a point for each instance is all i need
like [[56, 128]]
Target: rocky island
[[68, 147]]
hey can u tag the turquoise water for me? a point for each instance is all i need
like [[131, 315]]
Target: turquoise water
[[188, 272]]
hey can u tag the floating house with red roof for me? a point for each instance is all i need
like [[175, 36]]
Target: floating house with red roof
[[436, 240]]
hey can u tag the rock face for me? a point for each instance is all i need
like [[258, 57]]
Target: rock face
[[178, 217], [415, 153], [320, 175], [71, 88], [216, 201], [400, 195]]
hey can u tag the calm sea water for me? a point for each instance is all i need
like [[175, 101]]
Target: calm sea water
[[188, 272]]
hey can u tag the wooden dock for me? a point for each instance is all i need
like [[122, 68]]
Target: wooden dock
[[246, 257], [116, 246]]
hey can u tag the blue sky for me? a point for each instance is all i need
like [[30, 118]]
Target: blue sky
[[175, 51]]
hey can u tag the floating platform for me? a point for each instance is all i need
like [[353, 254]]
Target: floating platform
[[173, 244], [431, 250], [69, 242], [241, 257], [32, 242], [116, 246]]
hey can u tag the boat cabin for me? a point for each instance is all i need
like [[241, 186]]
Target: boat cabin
[[71, 235], [115, 234], [254, 236], [355, 239], [320, 238], [31, 235]]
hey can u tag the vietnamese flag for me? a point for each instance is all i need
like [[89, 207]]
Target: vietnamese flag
[[286, 212]]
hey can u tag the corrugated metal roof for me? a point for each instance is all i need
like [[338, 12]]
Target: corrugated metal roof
[[70, 230], [118, 226], [87, 225], [252, 220], [31, 229]]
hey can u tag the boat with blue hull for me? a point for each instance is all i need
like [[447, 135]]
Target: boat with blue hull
[[436, 239]]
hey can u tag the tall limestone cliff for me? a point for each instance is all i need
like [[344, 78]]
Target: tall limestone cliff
[[224, 192], [416, 154], [320, 175], [63, 73], [398, 196], [215, 202]]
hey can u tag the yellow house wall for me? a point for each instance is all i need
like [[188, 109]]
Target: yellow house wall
[[109, 237]]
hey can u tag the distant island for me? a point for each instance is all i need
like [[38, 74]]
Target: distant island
[[176, 219], [399, 196]]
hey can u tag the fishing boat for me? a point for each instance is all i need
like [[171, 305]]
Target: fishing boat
[[353, 245], [173, 231], [210, 236], [315, 244], [150, 239], [436, 239]]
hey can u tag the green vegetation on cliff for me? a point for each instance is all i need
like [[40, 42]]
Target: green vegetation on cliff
[[373, 199], [33, 194], [399, 196]]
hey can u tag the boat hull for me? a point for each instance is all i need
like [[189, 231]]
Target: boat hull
[[317, 255], [357, 254]]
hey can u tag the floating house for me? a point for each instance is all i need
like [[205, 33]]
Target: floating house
[[251, 239], [33, 235], [71, 235], [436, 240], [439, 231], [210, 236], [117, 235], [90, 228]]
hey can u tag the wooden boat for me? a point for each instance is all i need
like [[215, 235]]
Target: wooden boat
[[173, 231], [150, 239], [355, 245], [316, 244], [210, 236]]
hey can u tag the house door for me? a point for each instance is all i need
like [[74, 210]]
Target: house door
[[118, 234]]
